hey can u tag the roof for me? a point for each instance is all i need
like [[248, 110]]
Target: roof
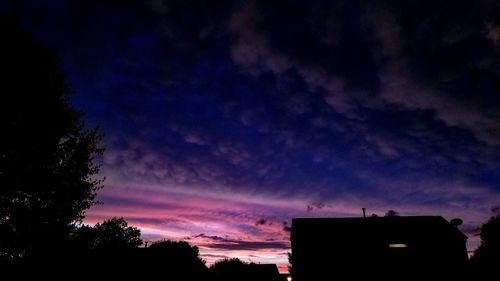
[[265, 268], [409, 225], [264, 272]]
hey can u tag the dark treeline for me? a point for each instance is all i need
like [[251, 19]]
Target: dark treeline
[[113, 249]]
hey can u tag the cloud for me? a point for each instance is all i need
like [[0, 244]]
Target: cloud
[[217, 242], [286, 227], [174, 215], [248, 245], [260, 134], [495, 210], [213, 237], [397, 82], [261, 222]]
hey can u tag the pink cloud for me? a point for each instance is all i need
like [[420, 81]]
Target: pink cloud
[[256, 229], [220, 227]]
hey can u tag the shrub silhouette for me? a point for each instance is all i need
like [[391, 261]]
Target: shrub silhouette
[[230, 269], [235, 269], [112, 234], [112, 249], [176, 260], [487, 256]]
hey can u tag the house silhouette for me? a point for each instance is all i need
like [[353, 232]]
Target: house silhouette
[[378, 248], [264, 272]]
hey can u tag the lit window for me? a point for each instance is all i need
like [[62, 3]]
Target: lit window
[[398, 245]]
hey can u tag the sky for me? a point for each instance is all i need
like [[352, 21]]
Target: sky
[[223, 120]]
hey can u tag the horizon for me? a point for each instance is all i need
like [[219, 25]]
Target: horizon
[[223, 120]]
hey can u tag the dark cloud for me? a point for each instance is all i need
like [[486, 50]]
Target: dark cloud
[[496, 210], [286, 227], [377, 44], [212, 237], [248, 245], [315, 205], [261, 222], [391, 213], [154, 221], [306, 99], [215, 256], [217, 242]]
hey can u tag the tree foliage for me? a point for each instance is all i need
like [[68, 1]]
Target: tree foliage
[[176, 260], [112, 234], [177, 252], [487, 256], [230, 269], [47, 171], [391, 213]]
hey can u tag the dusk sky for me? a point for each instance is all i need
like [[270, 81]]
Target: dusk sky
[[223, 120]]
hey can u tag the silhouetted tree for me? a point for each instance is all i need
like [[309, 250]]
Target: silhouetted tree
[[115, 233], [176, 260], [230, 269], [112, 234], [47, 174], [392, 213], [235, 269], [487, 256], [177, 252]]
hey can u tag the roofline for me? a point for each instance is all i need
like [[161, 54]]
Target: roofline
[[378, 218], [343, 218]]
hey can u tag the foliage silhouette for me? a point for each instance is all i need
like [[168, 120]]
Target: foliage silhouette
[[235, 269], [47, 174], [112, 234], [391, 213], [176, 260], [177, 253], [230, 269], [112, 249], [486, 257]]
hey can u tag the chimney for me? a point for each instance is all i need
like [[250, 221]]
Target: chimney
[[364, 212]]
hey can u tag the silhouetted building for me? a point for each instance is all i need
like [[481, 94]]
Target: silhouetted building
[[264, 272], [379, 248]]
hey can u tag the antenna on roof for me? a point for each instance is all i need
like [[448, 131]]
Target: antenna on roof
[[364, 212]]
